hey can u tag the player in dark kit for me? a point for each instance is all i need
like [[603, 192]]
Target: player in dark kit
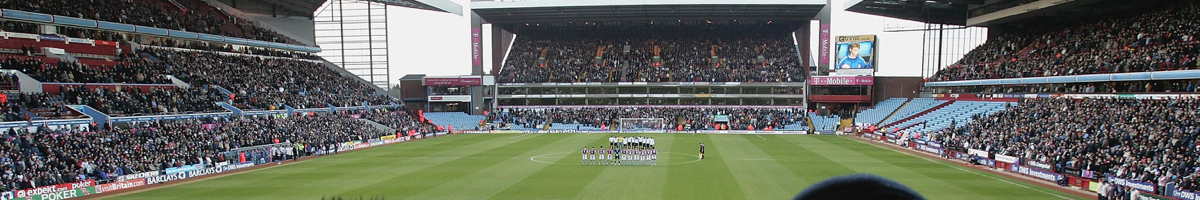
[[701, 150]]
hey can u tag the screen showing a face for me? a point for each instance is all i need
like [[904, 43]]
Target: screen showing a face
[[855, 52]]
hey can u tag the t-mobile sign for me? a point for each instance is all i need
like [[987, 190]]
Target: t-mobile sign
[[824, 48], [476, 47], [841, 80]]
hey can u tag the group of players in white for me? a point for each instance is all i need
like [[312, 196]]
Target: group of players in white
[[623, 151]]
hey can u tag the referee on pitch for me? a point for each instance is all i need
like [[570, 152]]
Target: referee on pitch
[[701, 150]]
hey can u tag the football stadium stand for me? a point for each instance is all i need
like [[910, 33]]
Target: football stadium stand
[[1147, 140], [683, 53], [1157, 40], [187, 15], [696, 118]]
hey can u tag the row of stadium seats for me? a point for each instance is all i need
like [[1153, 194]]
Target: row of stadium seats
[[712, 53], [1149, 140], [1152, 40], [916, 105], [880, 111], [958, 113], [457, 120]]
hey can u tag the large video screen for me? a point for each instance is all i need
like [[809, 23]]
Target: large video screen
[[855, 55]]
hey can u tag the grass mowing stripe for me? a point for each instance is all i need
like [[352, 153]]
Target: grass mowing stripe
[[492, 180], [245, 185], [759, 180], [810, 166], [919, 176], [707, 179], [436, 174], [557, 181], [625, 182], [376, 163]]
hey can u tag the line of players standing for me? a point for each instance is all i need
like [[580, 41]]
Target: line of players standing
[[622, 151]]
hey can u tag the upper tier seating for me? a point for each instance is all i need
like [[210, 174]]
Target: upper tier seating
[[1159, 39], [686, 53]]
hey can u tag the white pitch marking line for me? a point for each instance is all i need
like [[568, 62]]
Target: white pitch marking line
[[760, 136], [969, 171]]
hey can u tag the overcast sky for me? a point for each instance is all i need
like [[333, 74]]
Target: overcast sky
[[438, 44]]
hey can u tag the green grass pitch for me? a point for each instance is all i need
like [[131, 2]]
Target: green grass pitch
[[546, 166]]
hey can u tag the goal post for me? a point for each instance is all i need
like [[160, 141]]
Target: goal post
[[641, 124]]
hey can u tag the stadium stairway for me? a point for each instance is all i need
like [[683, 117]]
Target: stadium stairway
[[937, 105], [908, 109], [823, 123], [882, 111], [893, 113], [457, 120]]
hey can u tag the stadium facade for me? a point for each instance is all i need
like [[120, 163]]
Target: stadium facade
[[507, 25]]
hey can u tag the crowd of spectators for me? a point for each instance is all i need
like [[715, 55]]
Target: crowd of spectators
[[132, 100], [255, 81], [270, 83], [130, 70], [1168, 86], [33, 102], [695, 118], [685, 53], [1160, 39], [188, 15], [1148, 140], [41, 156], [229, 48]]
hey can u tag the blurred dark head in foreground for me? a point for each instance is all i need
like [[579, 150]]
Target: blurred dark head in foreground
[[858, 186]]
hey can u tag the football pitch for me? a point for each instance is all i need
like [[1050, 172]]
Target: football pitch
[[547, 166]]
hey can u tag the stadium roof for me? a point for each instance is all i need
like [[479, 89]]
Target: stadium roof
[[932, 11], [994, 12], [621, 10], [299, 7], [434, 5]]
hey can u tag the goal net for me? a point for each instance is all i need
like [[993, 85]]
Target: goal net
[[641, 124]]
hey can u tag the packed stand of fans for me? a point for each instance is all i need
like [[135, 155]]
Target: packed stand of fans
[[259, 82], [130, 70], [1152, 141], [270, 83], [130, 100], [47, 157], [1161, 39], [695, 118], [229, 48], [1168, 86], [686, 52], [195, 16]]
